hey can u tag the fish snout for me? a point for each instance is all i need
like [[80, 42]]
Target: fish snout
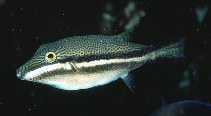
[[20, 72]]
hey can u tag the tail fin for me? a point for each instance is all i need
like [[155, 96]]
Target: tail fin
[[173, 50]]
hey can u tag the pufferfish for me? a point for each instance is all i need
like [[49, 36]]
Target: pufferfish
[[83, 62]]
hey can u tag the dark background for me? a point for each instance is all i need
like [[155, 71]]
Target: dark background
[[26, 24]]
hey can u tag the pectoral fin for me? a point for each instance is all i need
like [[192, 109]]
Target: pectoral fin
[[74, 66]]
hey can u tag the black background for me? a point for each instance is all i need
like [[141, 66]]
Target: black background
[[26, 24]]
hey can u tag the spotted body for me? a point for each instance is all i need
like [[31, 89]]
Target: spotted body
[[83, 62]]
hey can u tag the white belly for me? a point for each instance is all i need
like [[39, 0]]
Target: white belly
[[83, 81]]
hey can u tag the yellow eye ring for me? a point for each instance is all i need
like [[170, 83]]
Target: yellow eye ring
[[50, 57]]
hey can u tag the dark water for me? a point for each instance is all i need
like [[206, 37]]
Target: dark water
[[26, 24]]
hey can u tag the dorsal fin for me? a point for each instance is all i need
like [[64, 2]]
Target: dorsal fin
[[124, 36]]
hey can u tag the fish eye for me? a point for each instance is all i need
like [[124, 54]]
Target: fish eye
[[50, 57]]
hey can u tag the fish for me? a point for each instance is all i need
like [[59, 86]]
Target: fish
[[184, 108], [83, 62]]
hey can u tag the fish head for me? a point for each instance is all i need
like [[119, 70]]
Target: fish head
[[46, 65]]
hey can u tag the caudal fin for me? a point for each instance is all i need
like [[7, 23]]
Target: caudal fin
[[173, 50]]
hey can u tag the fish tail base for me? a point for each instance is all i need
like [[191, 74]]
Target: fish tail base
[[174, 50]]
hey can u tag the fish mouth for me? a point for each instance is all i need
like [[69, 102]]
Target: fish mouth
[[19, 73]]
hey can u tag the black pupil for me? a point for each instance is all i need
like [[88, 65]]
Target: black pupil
[[50, 55]]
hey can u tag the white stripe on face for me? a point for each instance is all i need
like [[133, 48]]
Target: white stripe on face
[[49, 68]]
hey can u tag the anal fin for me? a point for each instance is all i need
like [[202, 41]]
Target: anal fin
[[128, 80]]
